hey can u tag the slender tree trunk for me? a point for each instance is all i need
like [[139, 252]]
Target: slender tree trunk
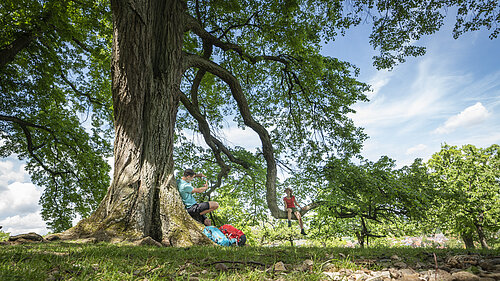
[[361, 239], [468, 240], [480, 232], [146, 70]]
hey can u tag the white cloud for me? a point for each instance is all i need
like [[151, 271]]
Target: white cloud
[[378, 81], [416, 149], [411, 93], [471, 116], [17, 224], [244, 138], [19, 199], [10, 172]]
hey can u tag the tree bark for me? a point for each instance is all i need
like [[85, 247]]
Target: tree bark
[[468, 240], [146, 71], [480, 231]]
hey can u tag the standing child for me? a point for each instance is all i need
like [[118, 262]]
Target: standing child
[[290, 207]]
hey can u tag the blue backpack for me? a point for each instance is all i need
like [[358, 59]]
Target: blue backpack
[[217, 236]]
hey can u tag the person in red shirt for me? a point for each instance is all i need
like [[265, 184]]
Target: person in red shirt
[[290, 203]]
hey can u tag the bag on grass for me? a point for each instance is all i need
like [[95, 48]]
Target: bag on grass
[[232, 232], [217, 236]]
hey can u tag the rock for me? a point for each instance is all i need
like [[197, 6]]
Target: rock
[[419, 265], [334, 275], [462, 261], [492, 275], [28, 237], [53, 237], [221, 267], [375, 278], [410, 278], [400, 264], [166, 243], [486, 279], [279, 266], [307, 265], [20, 241], [360, 276], [464, 276], [408, 274], [148, 241], [394, 273], [383, 274], [395, 258], [345, 272], [439, 275]]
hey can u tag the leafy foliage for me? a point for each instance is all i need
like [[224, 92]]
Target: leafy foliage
[[4, 236], [55, 110], [467, 190], [371, 199]]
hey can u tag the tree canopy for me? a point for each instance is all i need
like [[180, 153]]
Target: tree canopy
[[55, 106], [258, 62], [466, 182]]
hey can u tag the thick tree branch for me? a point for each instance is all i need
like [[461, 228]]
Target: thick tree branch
[[191, 60], [29, 141], [193, 25], [237, 93], [216, 145], [9, 52]]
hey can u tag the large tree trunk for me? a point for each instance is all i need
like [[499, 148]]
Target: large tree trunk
[[146, 70]]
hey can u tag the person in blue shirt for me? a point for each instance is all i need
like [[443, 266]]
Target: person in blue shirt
[[186, 190]]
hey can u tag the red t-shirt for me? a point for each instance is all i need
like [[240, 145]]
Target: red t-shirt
[[290, 202]]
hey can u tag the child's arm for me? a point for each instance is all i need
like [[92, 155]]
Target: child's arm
[[296, 203]]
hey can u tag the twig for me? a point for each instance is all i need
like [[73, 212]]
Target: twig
[[241, 262], [436, 263]]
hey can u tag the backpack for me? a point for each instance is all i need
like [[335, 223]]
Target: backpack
[[217, 236], [232, 232]]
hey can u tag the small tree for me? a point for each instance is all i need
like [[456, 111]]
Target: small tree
[[376, 197], [467, 189]]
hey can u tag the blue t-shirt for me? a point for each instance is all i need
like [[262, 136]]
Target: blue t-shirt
[[185, 190]]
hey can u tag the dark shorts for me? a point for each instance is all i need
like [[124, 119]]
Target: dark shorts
[[195, 210], [294, 209], [243, 240]]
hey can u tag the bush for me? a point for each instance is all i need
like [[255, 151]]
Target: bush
[[4, 236]]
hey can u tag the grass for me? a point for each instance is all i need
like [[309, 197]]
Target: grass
[[69, 261]]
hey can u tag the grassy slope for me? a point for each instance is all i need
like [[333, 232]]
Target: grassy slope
[[63, 261]]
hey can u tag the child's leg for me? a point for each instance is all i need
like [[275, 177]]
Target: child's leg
[[212, 206], [289, 213], [299, 218]]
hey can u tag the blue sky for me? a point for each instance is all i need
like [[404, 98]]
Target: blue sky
[[450, 95]]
